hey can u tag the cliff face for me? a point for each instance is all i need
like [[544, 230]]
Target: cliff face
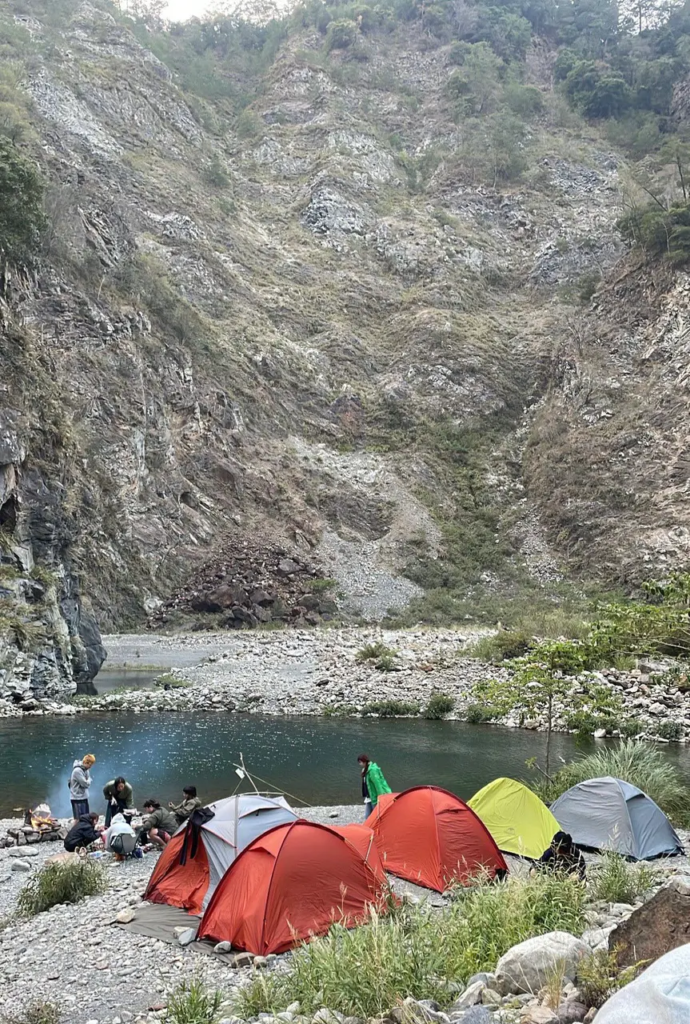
[[324, 328]]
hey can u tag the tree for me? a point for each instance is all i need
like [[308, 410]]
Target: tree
[[477, 80], [21, 205]]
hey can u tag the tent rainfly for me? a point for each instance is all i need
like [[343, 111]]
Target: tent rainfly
[[611, 814], [516, 818], [429, 836], [294, 882], [236, 822]]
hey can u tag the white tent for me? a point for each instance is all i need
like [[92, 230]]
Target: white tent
[[236, 822]]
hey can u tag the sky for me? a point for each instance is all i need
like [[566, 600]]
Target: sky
[[178, 10]]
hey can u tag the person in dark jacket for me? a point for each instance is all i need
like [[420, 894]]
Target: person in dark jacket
[[83, 834], [563, 855], [119, 797], [190, 802], [159, 824]]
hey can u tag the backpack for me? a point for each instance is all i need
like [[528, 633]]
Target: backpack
[[123, 844]]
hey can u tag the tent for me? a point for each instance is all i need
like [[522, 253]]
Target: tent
[[236, 822], [429, 836], [610, 814], [294, 882], [516, 818]]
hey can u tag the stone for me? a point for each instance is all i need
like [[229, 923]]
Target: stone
[[223, 947], [490, 997], [591, 1014], [21, 865], [539, 1015], [125, 916], [470, 997], [572, 1011], [260, 961], [187, 935], [242, 960], [475, 1015], [24, 852], [597, 938], [528, 966], [659, 926]]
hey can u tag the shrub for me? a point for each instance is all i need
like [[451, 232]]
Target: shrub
[[478, 713], [192, 1003], [365, 971], [637, 763], [615, 880], [502, 646], [585, 723], [341, 35], [61, 883], [383, 657], [35, 1013], [599, 976], [215, 173], [631, 727], [669, 730], [391, 708], [21, 204], [440, 705]]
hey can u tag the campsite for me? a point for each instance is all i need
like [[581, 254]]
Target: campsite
[[258, 895]]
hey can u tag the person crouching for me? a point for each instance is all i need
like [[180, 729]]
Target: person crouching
[[159, 823], [83, 833]]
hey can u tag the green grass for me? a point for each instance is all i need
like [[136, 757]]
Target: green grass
[[502, 646], [383, 657], [192, 1003], [638, 763], [60, 883], [416, 952], [35, 1013], [615, 880], [599, 976], [391, 708]]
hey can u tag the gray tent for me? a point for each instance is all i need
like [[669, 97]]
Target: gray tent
[[610, 814], [237, 821]]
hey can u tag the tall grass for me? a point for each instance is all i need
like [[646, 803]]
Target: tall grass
[[637, 763], [35, 1013], [415, 951], [61, 883], [615, 880], [192, 1003]]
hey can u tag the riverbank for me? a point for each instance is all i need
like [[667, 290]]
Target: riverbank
[[77, 958], [354, 672]]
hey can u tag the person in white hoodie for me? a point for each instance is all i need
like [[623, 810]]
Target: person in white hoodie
[[79, 782], [120, 838]]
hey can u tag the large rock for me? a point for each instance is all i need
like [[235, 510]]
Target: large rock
[[660, 994], [528, 966], [656, 928]]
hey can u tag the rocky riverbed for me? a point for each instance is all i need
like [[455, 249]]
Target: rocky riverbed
[[322, 672], [80, 959]]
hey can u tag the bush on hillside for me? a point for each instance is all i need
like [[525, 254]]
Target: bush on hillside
[[637, 763], [61, 883], [341, 35], [502, 646], [21, 204], [364, 971]]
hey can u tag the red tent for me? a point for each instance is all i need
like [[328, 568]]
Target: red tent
[[429, 836], [292, 883]]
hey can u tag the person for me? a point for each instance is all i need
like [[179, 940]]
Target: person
[[563, 855], [120, 839], [190, 802], [119, 797], [83, 833], [159, 823], [79, 782], [373, 783]]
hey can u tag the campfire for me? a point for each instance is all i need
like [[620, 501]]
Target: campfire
[[39, 827]]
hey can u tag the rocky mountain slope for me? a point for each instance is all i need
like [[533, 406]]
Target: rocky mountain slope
[[328, 327]]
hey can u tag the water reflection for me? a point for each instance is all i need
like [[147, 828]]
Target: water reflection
[[115, 679]]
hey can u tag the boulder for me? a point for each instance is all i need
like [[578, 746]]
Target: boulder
[[223, 947], [125, 915], [470, 997], [186, 936], [21, 865], [654, 929], [475, 1015], [528, 966], [25, 852], [572, 1011], [539, 1015]]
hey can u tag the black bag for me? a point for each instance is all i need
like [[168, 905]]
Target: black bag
[[123, 844], [192, 833]]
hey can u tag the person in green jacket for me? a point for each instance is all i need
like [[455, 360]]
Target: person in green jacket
[[373, 783], [119, 797]]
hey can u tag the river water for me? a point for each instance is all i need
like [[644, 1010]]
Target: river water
[[312, 758]]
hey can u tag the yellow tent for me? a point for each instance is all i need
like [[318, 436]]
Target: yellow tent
[[517, 819]]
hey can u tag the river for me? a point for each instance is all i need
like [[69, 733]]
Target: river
[[313, 758]]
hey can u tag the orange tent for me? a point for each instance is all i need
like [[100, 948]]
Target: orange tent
[[429, 836], [292, 883]]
